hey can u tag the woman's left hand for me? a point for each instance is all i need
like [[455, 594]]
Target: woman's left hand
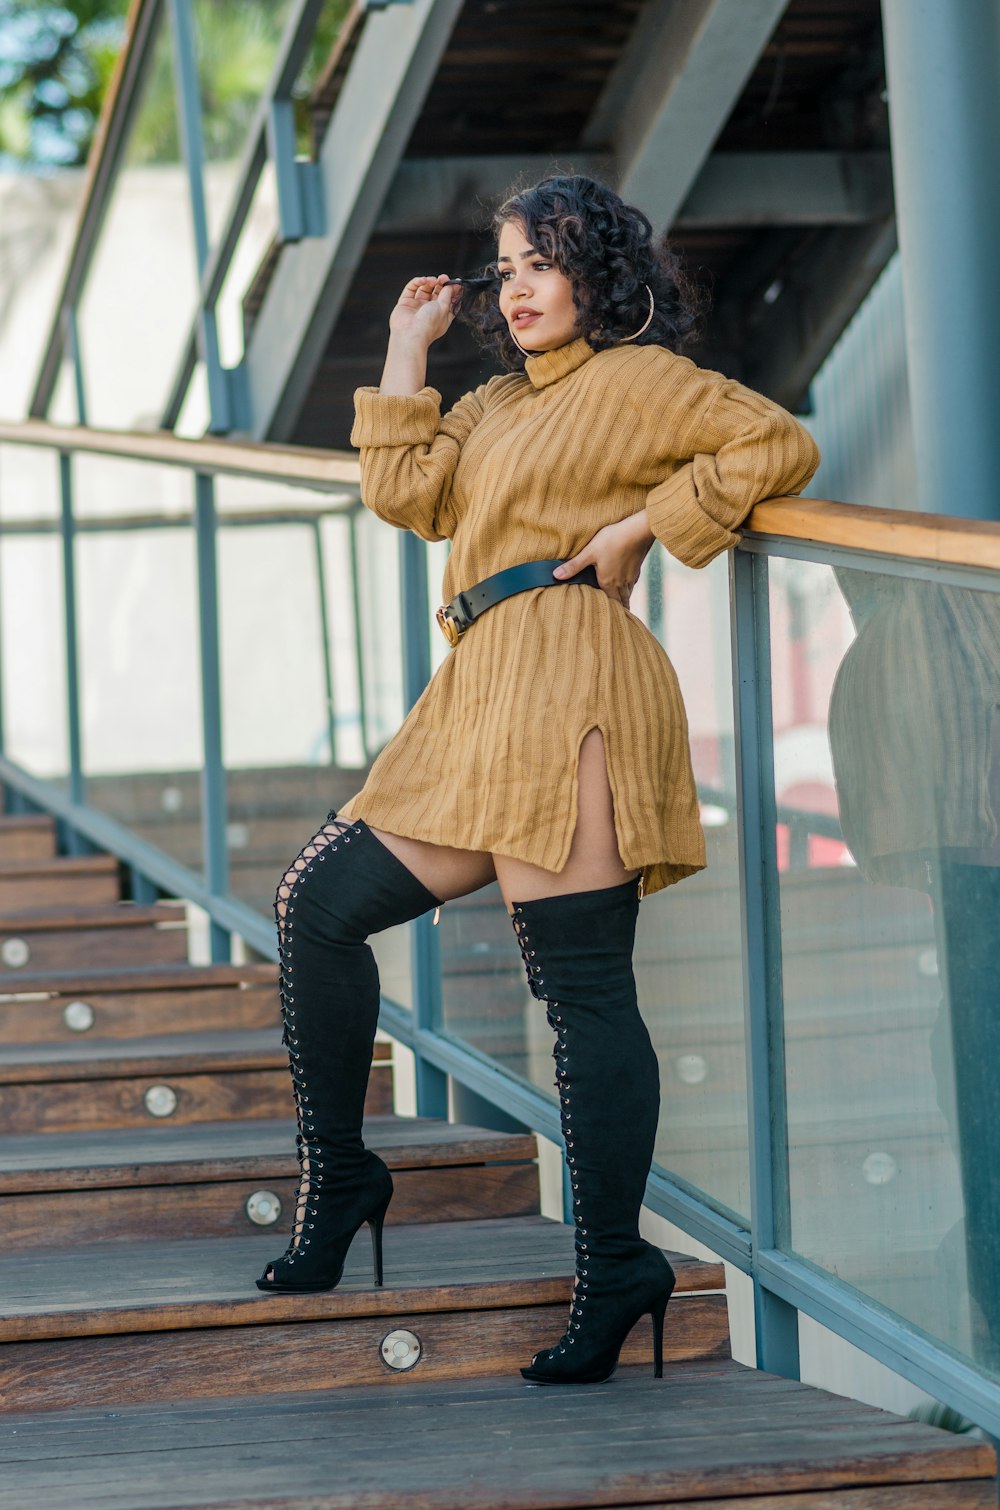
[[617, 551]]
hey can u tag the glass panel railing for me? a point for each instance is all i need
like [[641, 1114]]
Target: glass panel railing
[[311, 677], [139, 666], [887, 746], [688, 958], [140, 294], [688, 961], [235, 52], [33, 669]]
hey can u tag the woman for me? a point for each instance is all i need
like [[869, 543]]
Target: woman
[[550, 749]]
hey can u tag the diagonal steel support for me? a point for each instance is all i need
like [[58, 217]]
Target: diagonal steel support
[[672, 92], [392, 69]]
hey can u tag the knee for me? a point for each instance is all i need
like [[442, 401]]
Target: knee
[[315, 889]]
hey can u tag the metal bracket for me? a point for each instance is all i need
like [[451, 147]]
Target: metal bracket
[[301, 210], [231, 401]]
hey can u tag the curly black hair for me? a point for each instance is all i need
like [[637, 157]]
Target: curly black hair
[[606, 248]]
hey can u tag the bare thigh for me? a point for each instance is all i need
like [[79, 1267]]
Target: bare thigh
[[445, 871], [594, 861]]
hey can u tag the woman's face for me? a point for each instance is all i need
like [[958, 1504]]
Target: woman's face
[[536, 299]]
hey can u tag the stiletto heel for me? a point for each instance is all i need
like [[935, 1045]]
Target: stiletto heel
[[657, 1312], [375, 1228], [327, 1264]]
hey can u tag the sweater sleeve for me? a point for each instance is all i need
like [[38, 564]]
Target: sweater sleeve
[[409, 453], [736, 448]]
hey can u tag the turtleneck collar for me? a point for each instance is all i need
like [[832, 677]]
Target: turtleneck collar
[[549, 366]]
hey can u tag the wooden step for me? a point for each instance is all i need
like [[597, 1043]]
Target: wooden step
[[710, 1435], [193, 1077], [27, 837], [66, 881], [129, 1002], [196, 1180], [82, 937], [155, 1320]]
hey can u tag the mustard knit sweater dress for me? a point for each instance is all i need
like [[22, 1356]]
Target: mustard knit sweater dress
[[531, 466]]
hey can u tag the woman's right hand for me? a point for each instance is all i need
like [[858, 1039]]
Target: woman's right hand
[[425, 309]]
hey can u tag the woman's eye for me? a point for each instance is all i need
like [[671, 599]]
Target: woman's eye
[[536, 267]]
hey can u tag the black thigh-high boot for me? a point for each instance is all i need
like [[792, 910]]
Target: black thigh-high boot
[[343, 886], [578, 953]]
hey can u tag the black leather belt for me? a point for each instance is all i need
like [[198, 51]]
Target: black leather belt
[[456, 616]]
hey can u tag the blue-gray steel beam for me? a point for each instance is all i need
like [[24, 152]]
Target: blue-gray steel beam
[[776, 1321], [33, 794], [68, 526], [324, 629], [975, 578], [359, 639], [943, 67], [425, 948], [213, 783], [672, 91], [144, 891], [882, 1334], [72, 348], [300, 193], [221, 418], [108, 147], [384, 88], [291, 53]]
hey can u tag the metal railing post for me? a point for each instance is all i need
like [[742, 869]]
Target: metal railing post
[[359, 646], [221, 391], [71, 348], [776, 1320], [77, 784], [213, 776], [324, 629], [425, 948]]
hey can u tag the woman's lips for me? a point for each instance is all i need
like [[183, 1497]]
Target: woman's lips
[[526, 316]]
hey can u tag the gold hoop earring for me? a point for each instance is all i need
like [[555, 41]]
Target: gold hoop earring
[[646, 323], [520, 347]]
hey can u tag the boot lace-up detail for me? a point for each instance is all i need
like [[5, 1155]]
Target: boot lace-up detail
[[577, 951], [325, 842], [535, 982]]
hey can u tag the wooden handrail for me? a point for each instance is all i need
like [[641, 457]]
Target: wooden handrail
[[327, 471], [941, 538]]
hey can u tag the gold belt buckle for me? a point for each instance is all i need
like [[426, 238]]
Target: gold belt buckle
[[449, 628]]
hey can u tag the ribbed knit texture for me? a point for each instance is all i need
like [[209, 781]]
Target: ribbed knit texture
[[531, 466]]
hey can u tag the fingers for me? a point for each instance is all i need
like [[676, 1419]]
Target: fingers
[[425, 289]]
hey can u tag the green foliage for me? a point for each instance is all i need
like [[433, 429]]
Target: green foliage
[[56, 59]]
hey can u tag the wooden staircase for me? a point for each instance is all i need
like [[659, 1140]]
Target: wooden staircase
[[146, 1179]]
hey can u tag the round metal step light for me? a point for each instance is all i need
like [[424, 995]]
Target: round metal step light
[[263, 1208], [15, 953], [400, 1350], [879, 1168], [79, 1016], [160, 1101], [691, 1068]]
